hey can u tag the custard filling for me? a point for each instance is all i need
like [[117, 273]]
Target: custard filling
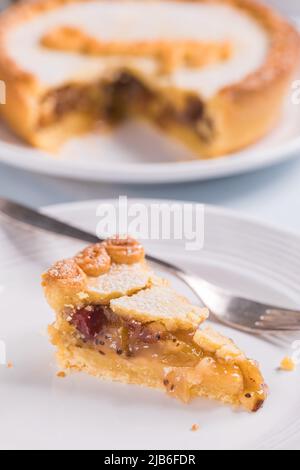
[[182, 365]]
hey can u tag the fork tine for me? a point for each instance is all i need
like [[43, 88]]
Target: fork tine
[[242, 313], [266, 319], [278, 314], [279, 319], [271, 326]]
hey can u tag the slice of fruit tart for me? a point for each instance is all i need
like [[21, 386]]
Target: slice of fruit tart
[[116, 319]]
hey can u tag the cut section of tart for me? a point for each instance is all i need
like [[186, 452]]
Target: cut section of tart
[[210, 73], [115, 319]]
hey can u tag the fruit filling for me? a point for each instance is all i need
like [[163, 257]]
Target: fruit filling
[[101, 327], [183, 365]]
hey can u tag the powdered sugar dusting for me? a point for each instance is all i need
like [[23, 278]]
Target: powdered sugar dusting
[[159, 303], [121, 280]]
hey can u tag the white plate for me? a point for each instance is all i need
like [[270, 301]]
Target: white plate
[[38, 410], [136, 153]]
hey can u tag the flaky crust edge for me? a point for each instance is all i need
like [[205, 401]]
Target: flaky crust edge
[[66, 285]]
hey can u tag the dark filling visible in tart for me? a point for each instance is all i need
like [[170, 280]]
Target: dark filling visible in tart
[[100, 326], [126, 95], [190, 114], [101, 329], [67, 99], [91, 321]]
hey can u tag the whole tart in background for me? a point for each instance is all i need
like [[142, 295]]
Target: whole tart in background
[[212, 74]]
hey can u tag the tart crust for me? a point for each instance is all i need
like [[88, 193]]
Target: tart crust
[[240, 114], [130, 326]]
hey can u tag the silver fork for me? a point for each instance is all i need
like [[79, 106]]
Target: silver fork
[[239, 313]]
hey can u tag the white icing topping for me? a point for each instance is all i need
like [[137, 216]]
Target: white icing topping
[[133, 20]]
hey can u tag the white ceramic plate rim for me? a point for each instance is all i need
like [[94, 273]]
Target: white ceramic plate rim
[[148, 173], [55, 209]]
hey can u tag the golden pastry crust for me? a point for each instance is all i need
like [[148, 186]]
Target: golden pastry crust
[[94, 260], [160, 304], [67, 284], [225, 350], [124, 250], [241, 113], [74, 283]]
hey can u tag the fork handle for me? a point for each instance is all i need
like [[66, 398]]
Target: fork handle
[[33, 218]]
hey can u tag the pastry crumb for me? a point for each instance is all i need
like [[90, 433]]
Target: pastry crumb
[[288, 364], [61, 375], [195, 428], [10, 365]]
